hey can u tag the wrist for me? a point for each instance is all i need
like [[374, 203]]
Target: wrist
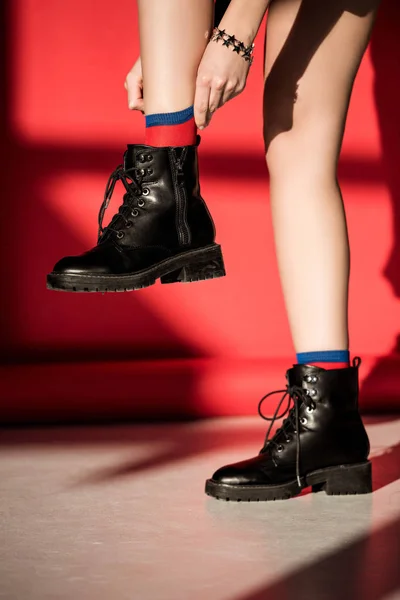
[[231, 41], [244, 34], [243, 18]]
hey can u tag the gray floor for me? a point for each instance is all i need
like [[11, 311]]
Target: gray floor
[[120, 513]]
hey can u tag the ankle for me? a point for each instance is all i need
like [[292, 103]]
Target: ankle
[[325, 359], [171, 129]]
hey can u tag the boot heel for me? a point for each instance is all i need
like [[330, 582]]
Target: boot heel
[[346, 479], [198, 270]]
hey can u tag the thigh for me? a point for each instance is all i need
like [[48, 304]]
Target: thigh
[[313, 49]]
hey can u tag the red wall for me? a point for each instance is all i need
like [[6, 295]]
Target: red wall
[[210, 347]]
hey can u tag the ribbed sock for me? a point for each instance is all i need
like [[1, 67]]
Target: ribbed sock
[[171, 129], [326, 359]]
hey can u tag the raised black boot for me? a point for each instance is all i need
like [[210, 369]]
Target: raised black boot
[[162, 230], [322, 443]]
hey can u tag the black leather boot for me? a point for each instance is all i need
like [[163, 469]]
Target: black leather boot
[[322, 443], [162, 230]]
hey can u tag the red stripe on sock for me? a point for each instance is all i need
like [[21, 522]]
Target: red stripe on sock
[[183, 134], [330, 365]]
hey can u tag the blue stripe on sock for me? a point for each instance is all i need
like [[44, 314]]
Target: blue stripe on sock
[[323, 356], [172, 118]]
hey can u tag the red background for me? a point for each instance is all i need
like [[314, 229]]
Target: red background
[[208, 348]]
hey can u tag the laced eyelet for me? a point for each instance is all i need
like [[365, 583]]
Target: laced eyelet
[[303, 420], [279, 448], [145, 191], [310, 409], [135, 212], [141, 203], [289, 439], [128, 224], [120, 234]]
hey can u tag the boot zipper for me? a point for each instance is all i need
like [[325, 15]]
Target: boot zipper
[[181, 199]]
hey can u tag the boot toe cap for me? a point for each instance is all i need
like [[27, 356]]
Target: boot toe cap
[[247, 472], [80, 265]]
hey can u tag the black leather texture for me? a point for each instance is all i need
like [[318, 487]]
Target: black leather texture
[[330, 434], [162, 214]]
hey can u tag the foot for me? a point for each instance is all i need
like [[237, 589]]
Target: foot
[[163, 228], [322, 443]]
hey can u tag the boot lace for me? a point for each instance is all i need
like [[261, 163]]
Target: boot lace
[[297, 395], [132, 181]]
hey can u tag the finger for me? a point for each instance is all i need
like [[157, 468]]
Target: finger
[[201, 103], [139, 105], [216, 93], [135, 96], [230, 91], [215, 100]]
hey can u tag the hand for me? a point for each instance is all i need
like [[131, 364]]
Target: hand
[[221, 76], [134, 86]]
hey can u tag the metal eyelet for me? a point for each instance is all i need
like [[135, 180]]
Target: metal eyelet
[[308, 378], [145, 191], [279, 448], [314, 379], [149, 157], [141, 157], [303, 420], [120, 234], [310, 409], [141, 203], [313, 392], [149, 171], [128, 224], [142, 171], [289, 439], [135, 212]]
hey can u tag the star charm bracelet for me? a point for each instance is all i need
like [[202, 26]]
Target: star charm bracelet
[[219, 35]]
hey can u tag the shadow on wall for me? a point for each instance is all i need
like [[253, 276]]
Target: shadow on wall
[[31, 235], [385, 53]]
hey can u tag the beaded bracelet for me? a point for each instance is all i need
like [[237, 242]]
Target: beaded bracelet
[[230, 40]]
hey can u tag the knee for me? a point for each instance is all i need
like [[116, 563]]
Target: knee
[[300, 134], [307, 149]]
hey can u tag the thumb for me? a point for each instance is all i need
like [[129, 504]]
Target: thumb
[[135, 96]]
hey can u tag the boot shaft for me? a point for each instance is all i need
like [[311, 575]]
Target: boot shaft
[[335, 387], [171, 211], [330, 426]]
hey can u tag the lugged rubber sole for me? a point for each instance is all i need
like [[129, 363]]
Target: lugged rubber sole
[[335, 481], [193, 265]]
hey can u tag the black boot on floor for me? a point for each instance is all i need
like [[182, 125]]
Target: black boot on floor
[[162, 230], [322, 443]]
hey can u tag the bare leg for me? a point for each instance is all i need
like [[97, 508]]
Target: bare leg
[[313, 50], [173, 36]]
